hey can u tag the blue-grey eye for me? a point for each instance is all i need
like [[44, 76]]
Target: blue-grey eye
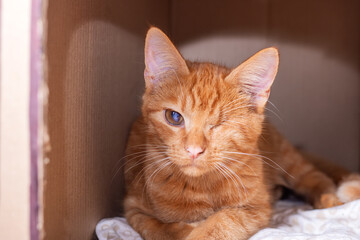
[[174, 118]]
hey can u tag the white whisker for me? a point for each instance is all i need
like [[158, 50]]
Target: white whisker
[[156, 172], [277, 115], [272, 104], [238, 178], [140, 162], [149, 166], [256, 156], [221, 172], [241, 162], [134, 156]]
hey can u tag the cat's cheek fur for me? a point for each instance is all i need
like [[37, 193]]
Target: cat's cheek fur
[[158, 127]]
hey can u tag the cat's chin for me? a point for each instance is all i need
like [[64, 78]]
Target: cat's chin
[[192, 170]]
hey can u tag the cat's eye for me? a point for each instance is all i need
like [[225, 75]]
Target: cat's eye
[[173, 118]]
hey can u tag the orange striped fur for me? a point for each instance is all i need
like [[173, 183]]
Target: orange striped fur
[[214, 176]]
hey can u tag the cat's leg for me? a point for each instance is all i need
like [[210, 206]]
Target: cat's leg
[[348, 184], [286, 166], [232, 223], [150, 228], [305, 179]]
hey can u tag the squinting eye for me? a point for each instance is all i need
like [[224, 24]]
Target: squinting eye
[[173, 118]]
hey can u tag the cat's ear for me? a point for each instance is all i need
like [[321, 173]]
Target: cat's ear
[[161, 58], [256, 75]]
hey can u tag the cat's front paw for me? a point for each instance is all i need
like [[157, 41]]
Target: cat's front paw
[[196, 224], [327, 200], [217, 227], [199, 232]]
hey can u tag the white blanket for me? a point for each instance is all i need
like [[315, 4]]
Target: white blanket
[[291, 221]]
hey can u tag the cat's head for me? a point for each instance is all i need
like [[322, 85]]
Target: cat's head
[[201, 115]]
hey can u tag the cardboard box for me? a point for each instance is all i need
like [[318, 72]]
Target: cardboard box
[[81, 80]]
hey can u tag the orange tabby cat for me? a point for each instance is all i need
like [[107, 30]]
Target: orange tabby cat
[[202, 162]]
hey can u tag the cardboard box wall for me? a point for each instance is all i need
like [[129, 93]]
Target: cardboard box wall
[[95, 64]]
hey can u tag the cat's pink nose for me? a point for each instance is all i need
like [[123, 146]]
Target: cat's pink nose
[[194, 151]]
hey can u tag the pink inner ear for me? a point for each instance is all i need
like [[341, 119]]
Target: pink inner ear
[[261, 71], [151, 65], [267, 79], [258, 81]]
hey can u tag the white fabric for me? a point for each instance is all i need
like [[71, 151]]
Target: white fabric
[[291, 221], [301, 222]]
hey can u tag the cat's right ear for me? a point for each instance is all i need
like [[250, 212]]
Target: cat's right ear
[[162, 59], [257, 74]]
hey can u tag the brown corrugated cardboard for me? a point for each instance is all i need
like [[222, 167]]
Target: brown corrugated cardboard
[[95, 54]]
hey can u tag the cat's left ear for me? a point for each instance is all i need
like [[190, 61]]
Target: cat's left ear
[[256, 75], [162, 59]]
